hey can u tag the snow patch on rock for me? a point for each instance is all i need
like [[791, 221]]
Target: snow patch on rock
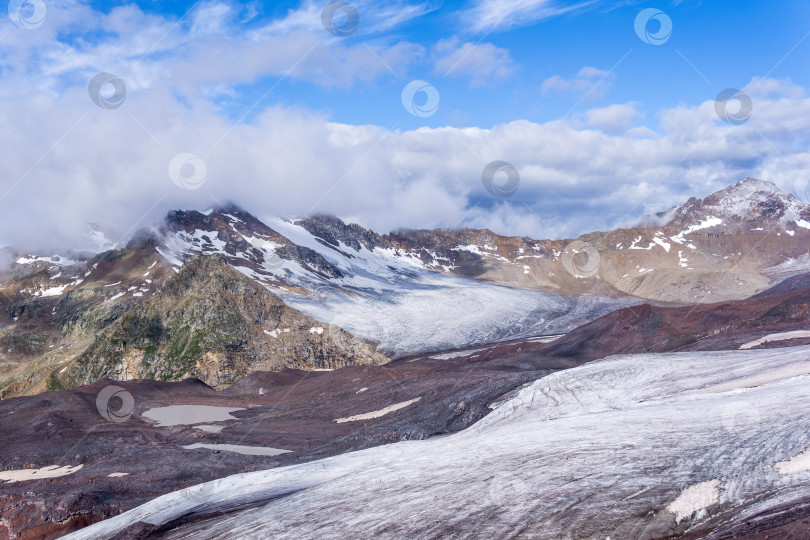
[[695, 498]]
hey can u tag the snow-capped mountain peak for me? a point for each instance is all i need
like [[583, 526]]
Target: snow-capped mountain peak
[[756, 199], [750, 204], [372, 285]]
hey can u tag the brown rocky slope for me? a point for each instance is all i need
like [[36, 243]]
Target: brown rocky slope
[[704, 327], [126, 314], [211, 322]]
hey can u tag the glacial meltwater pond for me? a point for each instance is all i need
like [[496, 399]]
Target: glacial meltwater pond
[[240, 449], [201, 417], [187, 415]]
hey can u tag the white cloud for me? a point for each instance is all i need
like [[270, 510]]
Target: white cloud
[[483, 63], [613, 118], [375, 16], [67, 162], [489, 15], [589, 82], [111, 168], [211, 18], [208, 51]]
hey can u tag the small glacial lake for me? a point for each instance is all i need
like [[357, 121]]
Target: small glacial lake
[[187, 415], [240, 449]]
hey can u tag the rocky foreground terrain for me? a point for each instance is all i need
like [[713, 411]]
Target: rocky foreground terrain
[[678, 445], [117, 457], [128, 316], [113, 455], [223, 376]]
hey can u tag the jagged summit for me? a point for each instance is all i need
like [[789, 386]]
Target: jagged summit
[[750, 202], [756, 199], [750, 185], [390, 288]]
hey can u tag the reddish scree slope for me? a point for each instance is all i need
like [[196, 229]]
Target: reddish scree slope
[[704, 327]]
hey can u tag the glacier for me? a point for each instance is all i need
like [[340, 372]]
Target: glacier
[[631, 446]]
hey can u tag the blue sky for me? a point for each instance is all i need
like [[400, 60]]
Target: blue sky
[[288, 119], [727, 44]]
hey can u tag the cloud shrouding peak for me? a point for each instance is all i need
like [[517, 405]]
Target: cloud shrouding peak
[[68, 163]]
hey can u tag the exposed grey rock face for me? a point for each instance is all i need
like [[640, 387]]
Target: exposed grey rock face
[[333, 232], [211, 322]]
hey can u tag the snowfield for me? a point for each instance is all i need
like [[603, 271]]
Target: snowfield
[[638, 446], [394, 300]]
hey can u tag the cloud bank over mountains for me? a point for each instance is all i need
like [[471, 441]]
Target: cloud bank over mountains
[[68, 161]]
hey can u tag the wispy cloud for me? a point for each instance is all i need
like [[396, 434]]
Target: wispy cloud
[[497, 15], [483, 63], [375, 17], [590, 81], [204, 53]]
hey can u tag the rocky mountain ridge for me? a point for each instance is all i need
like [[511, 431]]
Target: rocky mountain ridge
[[126, 314], [405, 292], [211, 323]]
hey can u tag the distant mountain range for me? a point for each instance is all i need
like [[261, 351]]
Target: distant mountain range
[[406, 368], [219, 294]]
